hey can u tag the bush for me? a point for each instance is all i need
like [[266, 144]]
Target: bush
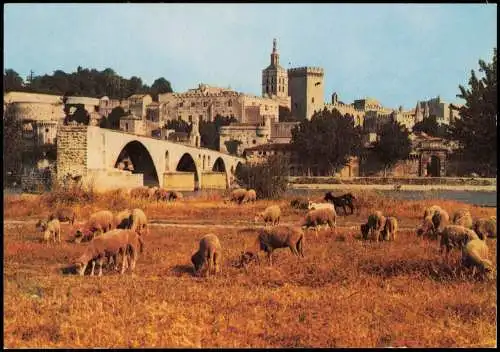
[[268, 179]]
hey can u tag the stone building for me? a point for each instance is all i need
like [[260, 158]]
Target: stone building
[[106, 105], [275, 80], [206, 102], [137, 104], [444, 112], [133, 124], [306, 90], [344, 109]]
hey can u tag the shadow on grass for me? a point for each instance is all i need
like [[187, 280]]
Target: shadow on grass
[[181, 270], [69, 270]]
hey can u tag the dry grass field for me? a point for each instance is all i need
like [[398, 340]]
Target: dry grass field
[[344, 293]]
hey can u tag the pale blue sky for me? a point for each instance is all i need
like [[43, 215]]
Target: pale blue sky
[[396, 53]]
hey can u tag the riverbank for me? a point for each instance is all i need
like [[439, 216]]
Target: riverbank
[[358, 187]]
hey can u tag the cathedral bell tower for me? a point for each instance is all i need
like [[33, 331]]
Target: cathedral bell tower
[[275, 77]]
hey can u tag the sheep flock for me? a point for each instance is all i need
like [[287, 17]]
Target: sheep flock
[[108, 238]]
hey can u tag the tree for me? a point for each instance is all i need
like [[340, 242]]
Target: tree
[[394, 144], [12, 147], [285, 115], [476, 129], [80, 115], [178, 126], [327, 141], [269, 179], [431, 127], [160, 86], [12, 81], [113, 119], [210, 131]]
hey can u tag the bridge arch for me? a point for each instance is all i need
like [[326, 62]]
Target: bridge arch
[[187, 164], [219, 165], [136, 158]]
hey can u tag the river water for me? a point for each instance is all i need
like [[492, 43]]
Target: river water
[[480, 198]]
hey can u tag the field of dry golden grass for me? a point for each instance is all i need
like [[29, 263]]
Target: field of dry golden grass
[[344, 293]]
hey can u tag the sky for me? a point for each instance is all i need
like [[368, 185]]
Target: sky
[[395, 53]]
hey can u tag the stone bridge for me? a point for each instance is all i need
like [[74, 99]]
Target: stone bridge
[[98, 155]]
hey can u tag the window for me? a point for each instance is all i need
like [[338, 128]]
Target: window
[[205, 103], [46, 130], [126, 126], [201, 117], [312, 100], [230, 103], [181, 104], [190, 118], [193, 103], [254, 142]]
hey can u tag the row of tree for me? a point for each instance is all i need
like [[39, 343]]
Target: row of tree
[[85, 82]]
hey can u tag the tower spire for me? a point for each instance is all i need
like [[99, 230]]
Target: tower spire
[[274, 55]]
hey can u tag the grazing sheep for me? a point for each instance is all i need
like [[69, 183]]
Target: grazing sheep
[[311, 206], [475, 255], [237, 195], [208, 256], [161, 194], [374, 225], [250, 196], [463, 218], [342, 201], [174, 195], [299, 203], [456, 236], [140, 192], [110, 245], [122, 220], [436, 219], [272, 238], [138, 221], [152, 191], [270, 214], [318, 217], [51, 229], [486, 227], [64, 215], [101, 221], [390, 229]]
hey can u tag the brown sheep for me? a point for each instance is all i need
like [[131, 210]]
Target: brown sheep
[[456, 236], [64, 215], [435, 219], [99, 222], [272, 238], [374, 225], [475, 255], [138, 221], [109, 245], [486, 227], [161, 194], [208, 256], [237, 195], [318, 217], [390, 229], [250, 196], [463, 218], [175, 195], [270, 214]]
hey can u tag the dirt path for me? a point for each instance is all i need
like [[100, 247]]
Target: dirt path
[[435, 187], [235, 225]]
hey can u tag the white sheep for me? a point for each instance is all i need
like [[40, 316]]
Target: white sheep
[[435, 219], [138, 221], [475, 255], [311, 206], [122, 219], [270, 214], [50, 229], [250, 196]]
